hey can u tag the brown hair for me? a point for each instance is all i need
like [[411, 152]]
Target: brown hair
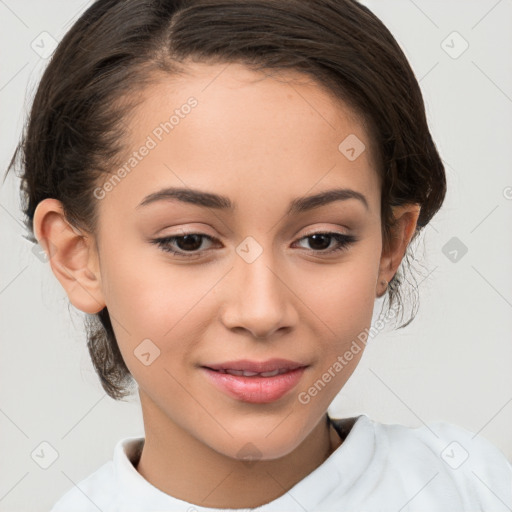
[[75, 134]]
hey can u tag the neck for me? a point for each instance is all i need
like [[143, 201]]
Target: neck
[[182, 466]]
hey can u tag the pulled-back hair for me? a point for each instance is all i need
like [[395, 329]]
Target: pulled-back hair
[[76, 130]]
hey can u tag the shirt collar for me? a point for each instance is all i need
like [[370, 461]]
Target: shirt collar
[[335, 475]]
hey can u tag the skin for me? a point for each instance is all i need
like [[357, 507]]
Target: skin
[[262, 142]]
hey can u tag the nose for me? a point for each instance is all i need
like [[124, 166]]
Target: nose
[[260, 300]]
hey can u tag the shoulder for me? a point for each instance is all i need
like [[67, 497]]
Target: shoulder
[[452, 444], [102, 489], [456, 456]]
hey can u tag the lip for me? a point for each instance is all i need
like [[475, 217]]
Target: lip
[[255, 389], [257, 366]]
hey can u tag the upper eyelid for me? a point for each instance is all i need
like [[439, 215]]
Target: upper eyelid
[[214, 239]]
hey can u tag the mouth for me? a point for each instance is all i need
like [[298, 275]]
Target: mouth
[[247, 373], [247, 368], [255, 387]]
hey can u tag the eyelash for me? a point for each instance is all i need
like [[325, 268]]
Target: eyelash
[[344, 242]]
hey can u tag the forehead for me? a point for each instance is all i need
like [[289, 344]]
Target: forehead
[[247, 132]]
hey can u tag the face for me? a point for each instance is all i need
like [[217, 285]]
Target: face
[[252, 282]]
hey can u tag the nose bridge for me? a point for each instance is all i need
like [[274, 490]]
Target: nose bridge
[[259, 301]]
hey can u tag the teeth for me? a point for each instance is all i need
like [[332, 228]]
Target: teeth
[[270, 374], [246, 373]]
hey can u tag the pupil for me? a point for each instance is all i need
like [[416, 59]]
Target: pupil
[[182, 241], [316, 238]]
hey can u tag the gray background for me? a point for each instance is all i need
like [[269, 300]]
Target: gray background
[[452, 363]]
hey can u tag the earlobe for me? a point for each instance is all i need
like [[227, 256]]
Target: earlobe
[[72, 256], [406, 221]]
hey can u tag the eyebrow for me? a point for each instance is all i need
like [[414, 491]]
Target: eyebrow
[[219, 202]]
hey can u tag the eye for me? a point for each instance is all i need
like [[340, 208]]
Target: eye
[[189, 245], [321, 242]]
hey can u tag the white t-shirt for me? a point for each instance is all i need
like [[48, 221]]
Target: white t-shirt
[[437, 467]]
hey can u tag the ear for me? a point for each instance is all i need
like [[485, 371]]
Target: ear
[[406, 219], [72, 255]]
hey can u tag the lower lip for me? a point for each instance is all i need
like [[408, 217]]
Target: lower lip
[[257, 390]]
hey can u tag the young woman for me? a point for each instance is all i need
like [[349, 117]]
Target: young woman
[[225, 187]]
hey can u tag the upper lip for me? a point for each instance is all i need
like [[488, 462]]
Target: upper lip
[[257, 366]]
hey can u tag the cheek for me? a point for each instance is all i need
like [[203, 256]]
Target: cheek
[[342, 297], [162, 302], [139, 298], [145, 294], [171, 304], [341, 308]]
